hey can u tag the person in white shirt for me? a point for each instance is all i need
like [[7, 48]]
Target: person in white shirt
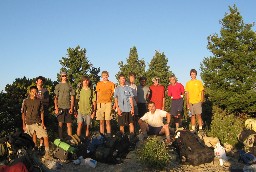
[[152, 123]]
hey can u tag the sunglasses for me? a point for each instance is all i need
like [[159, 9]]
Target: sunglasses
[[63, 75]]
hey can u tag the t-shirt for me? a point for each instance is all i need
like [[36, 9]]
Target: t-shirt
[[105, 91], [134, 91], [43, 95], [142, 93], [175, 91], [157, 95], [87, 96], [32, 108], [64, 91], [123, 95], [194, 88], [155, 119]]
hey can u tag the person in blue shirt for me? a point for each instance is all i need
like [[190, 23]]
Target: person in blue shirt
[[124, 104]]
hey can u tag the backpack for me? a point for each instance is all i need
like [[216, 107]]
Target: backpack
[[191, 149], [247, 158]]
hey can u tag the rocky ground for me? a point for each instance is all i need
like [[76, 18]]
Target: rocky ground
[[131, 163]]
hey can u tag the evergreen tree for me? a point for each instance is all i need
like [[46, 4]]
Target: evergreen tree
[[133, 64], [230, 73], [77, 64], [11, 101], [158, 68]]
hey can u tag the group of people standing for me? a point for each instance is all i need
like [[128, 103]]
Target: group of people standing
[[142, 104]]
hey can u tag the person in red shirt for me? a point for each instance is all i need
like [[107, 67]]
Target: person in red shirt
[[176, 92], [157, 93]]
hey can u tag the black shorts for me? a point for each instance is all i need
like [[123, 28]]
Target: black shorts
[[64, 116], [142, 109], [125, 119], [176, 107], [154, 130]]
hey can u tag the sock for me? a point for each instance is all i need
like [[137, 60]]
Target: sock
[[193, 127], [200, 127]]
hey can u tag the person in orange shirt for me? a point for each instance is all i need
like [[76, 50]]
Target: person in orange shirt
[[105, 91], [194, 97]]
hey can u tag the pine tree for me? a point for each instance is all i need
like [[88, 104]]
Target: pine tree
[[230, 73], [133, 64], [77, 64], [158, 68]]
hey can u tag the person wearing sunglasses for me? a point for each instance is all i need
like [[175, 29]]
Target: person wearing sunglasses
[[64, 104]]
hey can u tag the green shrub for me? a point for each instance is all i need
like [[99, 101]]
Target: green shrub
[[225, 126], [154, 153]]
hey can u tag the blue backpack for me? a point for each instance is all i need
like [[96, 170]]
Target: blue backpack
[[247, 158]]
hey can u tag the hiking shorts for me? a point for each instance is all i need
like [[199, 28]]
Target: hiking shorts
[[36, 128], [154, 130], [125, 119], [103, 111], [64, 116], [176, 107], [195, 109], [86, 119]]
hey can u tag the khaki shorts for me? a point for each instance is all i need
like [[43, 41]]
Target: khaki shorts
[[196, 109], [103, 111], [40, 132]]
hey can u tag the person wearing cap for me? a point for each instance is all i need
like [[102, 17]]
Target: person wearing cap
[[64, 104], [195, 97], [143, 93], [157, 93], [176, 92]]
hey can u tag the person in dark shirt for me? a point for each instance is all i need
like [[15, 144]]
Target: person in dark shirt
[[33, 118]]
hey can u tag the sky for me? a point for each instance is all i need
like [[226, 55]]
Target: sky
[[35, 35]]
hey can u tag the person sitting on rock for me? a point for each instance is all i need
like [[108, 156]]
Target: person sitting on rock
[[152, 123]]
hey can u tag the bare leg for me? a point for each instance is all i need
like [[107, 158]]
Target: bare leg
[[122, 129], [108, 126], [102, 127], [79, 129], [69, 128]]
